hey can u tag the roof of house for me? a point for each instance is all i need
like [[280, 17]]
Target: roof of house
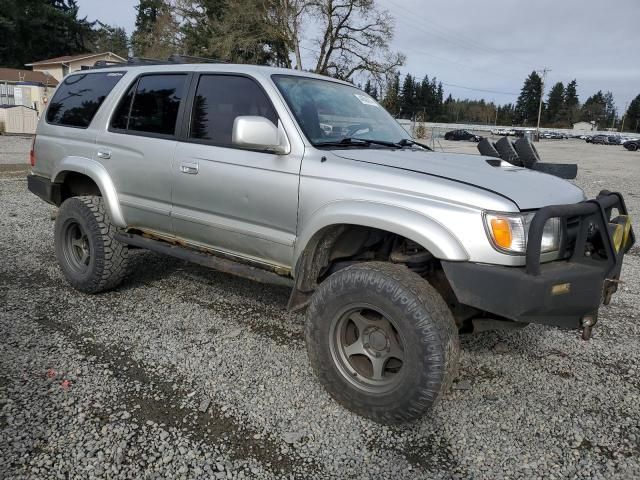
[[16, 75], [71, 58]]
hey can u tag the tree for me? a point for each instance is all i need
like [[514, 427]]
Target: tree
[[571, 102], [594, 109], [555, 105], [354, 38], [391, 100], [34, 30], [106, 38], [632, 116], [408, 96], [157, 33], [527, 105], [610, 112]]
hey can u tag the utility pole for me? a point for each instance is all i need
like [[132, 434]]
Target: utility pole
[[545, 70]]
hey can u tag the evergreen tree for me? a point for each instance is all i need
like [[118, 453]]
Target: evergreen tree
[[632, 116], [610, 112], [150, 14], [571, 102], [595, 109], [32, 30], [555, 105], [368, 88], [528, 101], [407, 97], [106, 38], [391, 100]]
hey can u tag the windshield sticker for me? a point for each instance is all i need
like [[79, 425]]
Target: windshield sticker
[[366, 100]]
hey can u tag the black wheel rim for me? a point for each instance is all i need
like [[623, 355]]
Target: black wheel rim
[[76, 247], [367, 348]]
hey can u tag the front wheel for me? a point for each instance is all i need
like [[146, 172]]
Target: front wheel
[[382, 341]]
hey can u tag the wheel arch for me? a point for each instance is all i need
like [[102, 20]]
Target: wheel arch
[[71, 167], [317, 244]]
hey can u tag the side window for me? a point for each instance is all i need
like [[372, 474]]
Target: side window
[[151, 105], [78, 98], [219, 100]]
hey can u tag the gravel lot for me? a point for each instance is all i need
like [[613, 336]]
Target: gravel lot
[[189, 373]]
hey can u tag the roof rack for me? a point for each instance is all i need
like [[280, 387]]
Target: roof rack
[[174, 59]]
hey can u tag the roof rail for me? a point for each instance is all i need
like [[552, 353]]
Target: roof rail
[[177, 58], [174, 59]]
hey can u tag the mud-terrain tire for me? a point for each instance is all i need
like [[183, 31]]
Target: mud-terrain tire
[[527, 152], [91, 259], [486, 148], [386, 312], [507, 152]]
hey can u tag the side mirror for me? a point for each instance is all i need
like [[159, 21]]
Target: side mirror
[[259, 133]]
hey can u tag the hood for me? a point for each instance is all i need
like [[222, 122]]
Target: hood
[[528, 189]]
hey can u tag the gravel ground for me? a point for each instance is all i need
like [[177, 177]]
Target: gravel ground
[[14, 151], [184, 372]]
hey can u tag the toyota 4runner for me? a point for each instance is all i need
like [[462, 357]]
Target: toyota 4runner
[[297, 179]]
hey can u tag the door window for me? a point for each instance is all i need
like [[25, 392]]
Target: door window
[[151, 105], [219, 100]]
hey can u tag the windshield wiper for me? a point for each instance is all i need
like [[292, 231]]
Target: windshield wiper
[[357, 142], [406, 142]]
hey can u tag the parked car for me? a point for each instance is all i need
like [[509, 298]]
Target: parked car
[[604, 140], [632, 145], [461, 135], [390, 247]]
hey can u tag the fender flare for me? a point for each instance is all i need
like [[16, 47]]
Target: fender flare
[[96, 172], [414, 225]]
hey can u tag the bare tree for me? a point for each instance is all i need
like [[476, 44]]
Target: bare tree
[[286, 17], [355, 37]]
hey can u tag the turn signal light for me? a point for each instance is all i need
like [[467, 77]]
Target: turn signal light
[[501, 231]]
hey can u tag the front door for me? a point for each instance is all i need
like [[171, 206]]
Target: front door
[[239, 201]]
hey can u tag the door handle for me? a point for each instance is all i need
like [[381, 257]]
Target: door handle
[[189, 168], [104, 154]]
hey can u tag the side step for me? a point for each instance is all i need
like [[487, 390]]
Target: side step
[[205, 259]]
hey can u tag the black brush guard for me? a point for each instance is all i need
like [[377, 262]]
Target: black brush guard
[[566, 292], [593, 215]]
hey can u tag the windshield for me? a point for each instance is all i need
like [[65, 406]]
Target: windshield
[[329, 112]]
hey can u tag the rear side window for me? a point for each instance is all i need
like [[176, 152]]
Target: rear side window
[[219, 100], [78, 98], [151, 105]]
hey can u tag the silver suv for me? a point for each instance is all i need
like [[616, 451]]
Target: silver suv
[[298, 179]]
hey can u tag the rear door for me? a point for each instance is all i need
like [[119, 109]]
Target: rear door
[[137, 148], [240, 201]]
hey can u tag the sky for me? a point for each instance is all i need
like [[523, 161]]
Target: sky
[[491, 46]]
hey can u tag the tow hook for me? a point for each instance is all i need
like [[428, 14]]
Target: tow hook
[[588, 322]]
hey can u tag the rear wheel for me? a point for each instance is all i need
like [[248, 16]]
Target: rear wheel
[[632, 147], [382, 341], [91, 259]]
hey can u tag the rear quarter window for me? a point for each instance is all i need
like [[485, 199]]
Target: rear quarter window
[[79, 97]]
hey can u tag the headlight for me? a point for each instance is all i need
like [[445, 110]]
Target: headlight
[[508, 232]]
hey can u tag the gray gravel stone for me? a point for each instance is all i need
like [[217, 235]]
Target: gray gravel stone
[[549, 406]]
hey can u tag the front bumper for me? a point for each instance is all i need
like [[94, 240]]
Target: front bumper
[[564, 292]]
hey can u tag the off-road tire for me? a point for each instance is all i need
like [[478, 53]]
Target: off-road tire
[[527, 152], [486, 148], [107, 262], [507, 152], [431, 343]]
